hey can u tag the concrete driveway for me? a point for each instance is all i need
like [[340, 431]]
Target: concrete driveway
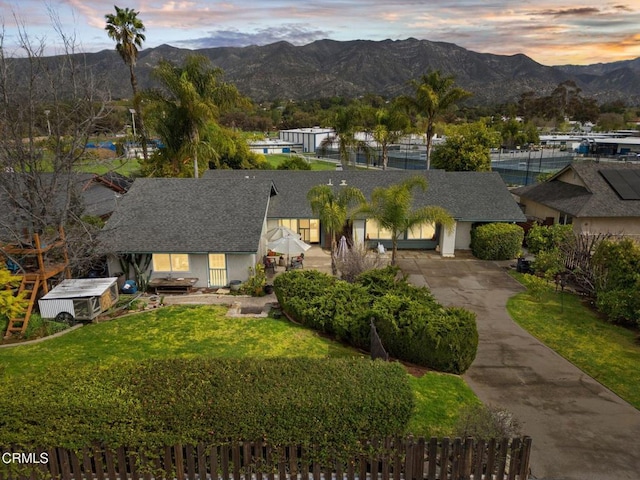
[[580, 430]]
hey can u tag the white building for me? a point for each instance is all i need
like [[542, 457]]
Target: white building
[[309, 138]]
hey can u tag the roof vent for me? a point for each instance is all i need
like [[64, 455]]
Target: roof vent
[[343, 183], [330, 184]]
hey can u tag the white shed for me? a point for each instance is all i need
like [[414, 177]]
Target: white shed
[[79, 299]]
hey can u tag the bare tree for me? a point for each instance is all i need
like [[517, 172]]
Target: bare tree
[[49, 106]]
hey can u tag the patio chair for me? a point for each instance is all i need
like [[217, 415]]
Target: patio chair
[[297, 262], [269, 264]]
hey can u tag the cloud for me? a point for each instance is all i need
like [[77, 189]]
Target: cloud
[[297, 34], [571, 12]]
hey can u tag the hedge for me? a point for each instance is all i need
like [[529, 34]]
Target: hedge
[[445, 339], [497, 241], [165, 402], [411, 324]]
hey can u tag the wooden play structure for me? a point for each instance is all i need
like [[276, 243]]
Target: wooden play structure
[[38, 262]]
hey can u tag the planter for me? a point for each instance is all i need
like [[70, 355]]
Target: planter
[[234, 285], [268, 289]]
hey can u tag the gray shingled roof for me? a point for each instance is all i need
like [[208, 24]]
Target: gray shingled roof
[[189, 215], [468, 196], [595, 199]]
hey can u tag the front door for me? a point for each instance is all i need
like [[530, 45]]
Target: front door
[[217, 270]]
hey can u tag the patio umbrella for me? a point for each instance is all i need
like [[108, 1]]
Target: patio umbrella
[[278, 232], [289, 244], [342, 248]]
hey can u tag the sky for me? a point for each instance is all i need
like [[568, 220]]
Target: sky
[[551, 33]]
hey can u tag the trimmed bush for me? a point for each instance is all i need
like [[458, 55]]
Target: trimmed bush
[[497, 241], [411, 324], [163, 402], [445, 339]]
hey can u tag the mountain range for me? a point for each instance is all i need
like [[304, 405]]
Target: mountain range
[[327, 68]]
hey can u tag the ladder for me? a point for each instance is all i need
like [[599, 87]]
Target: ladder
[[30, 285]]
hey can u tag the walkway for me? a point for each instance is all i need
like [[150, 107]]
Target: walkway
[[580, 429]]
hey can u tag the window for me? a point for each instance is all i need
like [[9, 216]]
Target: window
[[374, 231], [291, 223], [170, 262], [425, 231]]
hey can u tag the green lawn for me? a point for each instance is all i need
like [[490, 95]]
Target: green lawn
[[204, 331], [606, 352], [276, 159]]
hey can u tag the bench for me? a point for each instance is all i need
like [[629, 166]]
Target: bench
[[172, 285]]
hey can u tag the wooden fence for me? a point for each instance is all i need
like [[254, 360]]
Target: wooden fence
[[387, 459]]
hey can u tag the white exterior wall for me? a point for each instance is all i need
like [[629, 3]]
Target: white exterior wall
[[448, 241], [238, 266], [358, 231], [463, 236], [309, 138]]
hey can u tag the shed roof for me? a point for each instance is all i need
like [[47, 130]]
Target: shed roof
[[80, 287]]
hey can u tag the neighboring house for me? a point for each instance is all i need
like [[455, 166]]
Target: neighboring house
[[595, 197], [213, 228], [91, 194]]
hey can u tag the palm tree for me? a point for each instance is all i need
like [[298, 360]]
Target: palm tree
[[434, 95], [346, 123], [192, 100], [334, 210], [125, 28], [390, 125], [391, 208]]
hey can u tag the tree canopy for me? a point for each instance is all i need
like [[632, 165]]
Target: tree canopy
[[467, 148], [434, 95], [186, 109]]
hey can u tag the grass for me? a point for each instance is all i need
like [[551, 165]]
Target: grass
[[563, 322], [191, 331], [276, 159]]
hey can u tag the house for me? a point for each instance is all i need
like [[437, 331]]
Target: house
[[86, 194], [206, 230], [212, 229], [595, 197]]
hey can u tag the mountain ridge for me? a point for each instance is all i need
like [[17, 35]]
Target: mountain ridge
[[326, 68]]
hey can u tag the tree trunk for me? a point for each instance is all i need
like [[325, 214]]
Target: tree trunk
[[138, 109]]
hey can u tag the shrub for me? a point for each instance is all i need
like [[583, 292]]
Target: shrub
[[357, 260], [411, 324], [294, 163], [542, 238], [497, 241], [163, 402], [445, 339], [296, 288], [256, 282], [549, 263], [618, 281], [485, 422], [382, 280]]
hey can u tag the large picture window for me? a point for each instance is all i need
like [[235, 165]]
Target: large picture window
[[170, 262], [425, 231], [376, 232]]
